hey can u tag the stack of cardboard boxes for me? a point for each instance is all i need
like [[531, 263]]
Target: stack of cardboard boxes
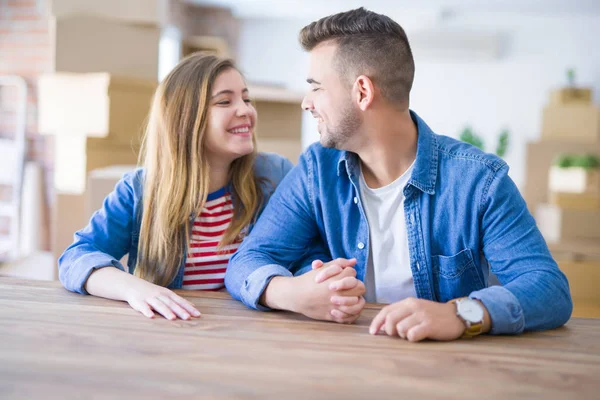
[[95, 102], [563, 200], [575, 187], [97, 120], [566, 201]]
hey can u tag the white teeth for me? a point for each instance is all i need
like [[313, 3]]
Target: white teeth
[[240, 130]]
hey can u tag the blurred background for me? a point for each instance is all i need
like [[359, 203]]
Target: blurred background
[[517, 78]]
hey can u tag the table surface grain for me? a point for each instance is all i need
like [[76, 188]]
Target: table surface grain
[[59, 345]]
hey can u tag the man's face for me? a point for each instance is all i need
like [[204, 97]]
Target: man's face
[[329, 99]]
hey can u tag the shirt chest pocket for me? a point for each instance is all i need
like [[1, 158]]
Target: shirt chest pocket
[[455, 276]]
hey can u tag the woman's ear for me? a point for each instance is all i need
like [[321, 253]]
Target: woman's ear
[[363, 92]]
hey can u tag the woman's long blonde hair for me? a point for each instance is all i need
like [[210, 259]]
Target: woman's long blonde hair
[[176, 170]]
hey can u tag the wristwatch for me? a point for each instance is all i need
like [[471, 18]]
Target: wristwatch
[[471, 313]]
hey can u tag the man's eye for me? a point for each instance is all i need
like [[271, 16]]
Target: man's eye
[[316, 89], [247, 101]]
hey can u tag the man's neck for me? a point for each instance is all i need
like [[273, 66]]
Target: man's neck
[[389, 148]]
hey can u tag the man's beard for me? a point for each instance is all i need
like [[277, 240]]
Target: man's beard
[[336, 136]]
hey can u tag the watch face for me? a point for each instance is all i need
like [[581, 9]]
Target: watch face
[[470, 310]]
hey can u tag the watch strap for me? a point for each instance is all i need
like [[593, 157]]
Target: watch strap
[[471, 329]]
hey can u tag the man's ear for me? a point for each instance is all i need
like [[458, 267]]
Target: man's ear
[[363, 91]]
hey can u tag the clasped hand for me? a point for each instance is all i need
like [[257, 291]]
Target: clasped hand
[[411, 319]]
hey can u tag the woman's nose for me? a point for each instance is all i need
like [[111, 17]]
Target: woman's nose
[[243, 109]]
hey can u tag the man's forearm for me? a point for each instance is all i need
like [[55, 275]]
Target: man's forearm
[[504, 310], [279, 294]]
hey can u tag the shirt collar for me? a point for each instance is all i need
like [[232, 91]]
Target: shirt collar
[[424, 174]]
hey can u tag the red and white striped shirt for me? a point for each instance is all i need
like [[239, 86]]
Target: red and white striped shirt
[[206, 265]]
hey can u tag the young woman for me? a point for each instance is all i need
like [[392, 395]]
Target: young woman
[[182, 215]]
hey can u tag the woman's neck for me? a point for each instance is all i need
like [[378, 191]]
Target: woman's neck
[[218, 177]]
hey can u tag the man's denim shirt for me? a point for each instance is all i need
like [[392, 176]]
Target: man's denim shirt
[[464, 216], [114, 230]]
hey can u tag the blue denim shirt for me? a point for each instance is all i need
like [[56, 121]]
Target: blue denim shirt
[[464, 216], [113, 231]]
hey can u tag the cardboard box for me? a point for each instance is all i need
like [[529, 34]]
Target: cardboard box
[[576, 250], [75, 156], [289, 148], [576, 201], [97, 120], [574, 180], [538, 160], [573, 95], [279, 112], [97, 105], [130, 11], [68, 216], [571, 122], [279, 120], [100, 183], [559, 224], [584, 280], [88, 43], [72, 212]]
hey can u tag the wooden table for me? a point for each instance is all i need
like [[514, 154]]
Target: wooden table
[[58, 345]]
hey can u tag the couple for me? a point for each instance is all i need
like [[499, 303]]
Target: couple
[[381, 210]]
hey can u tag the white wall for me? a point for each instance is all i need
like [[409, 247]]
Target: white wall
[[509, 91]]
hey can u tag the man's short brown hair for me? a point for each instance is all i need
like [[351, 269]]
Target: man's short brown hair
[[369, 44]]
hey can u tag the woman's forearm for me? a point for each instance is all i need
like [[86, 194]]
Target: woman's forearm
[[110, 283]]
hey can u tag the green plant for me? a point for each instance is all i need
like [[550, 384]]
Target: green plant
[[571, 77], [469, 136], [503, 143], [585, 161], [563, 161]]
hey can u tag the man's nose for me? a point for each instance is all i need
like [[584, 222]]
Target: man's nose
[[307, 104]]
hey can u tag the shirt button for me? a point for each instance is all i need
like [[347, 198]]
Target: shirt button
[[355, 200], [361, 245]]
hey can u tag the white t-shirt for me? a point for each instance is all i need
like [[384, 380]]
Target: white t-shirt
[[388, 276]]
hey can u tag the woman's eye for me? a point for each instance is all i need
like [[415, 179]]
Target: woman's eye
[[316, 89], [223, 103], [247, 101]]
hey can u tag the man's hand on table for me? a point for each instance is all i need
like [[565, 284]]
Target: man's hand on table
[[411, 319], [417, 319], [337, 298]]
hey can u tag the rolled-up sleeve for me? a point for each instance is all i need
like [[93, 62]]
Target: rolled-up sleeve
[[535, 294], [281, 242], [104, 241]]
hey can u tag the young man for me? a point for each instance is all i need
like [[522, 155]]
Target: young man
[[418, 217]]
